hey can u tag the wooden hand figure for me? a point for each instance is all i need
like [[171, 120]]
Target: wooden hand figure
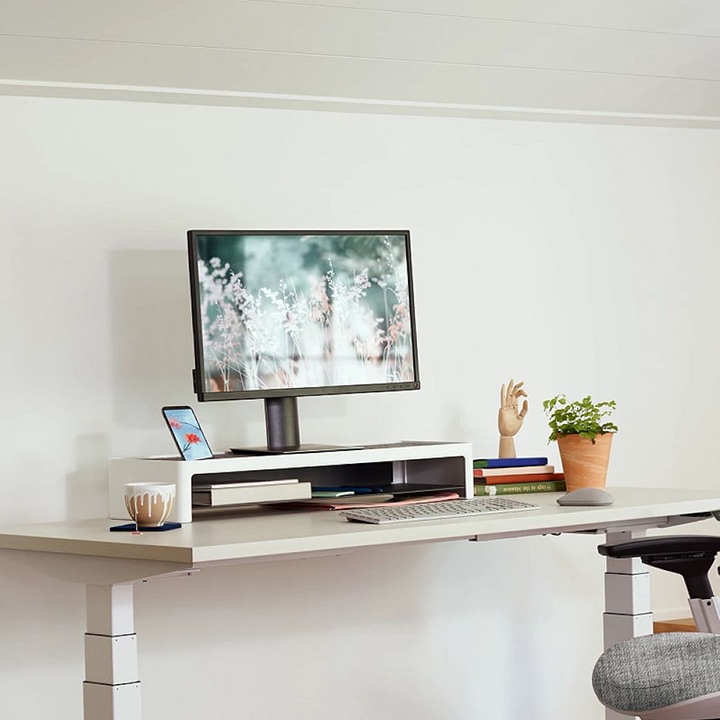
[[510, 419]]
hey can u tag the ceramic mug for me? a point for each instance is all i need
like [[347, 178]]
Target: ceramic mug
[[149, 504]]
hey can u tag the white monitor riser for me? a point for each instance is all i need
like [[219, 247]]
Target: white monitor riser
[[425, 463]]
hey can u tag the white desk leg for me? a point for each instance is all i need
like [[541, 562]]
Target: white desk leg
[[111, 690], [628, 612]]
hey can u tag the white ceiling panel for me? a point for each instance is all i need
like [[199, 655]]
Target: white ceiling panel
[[452, 56], [274, 27], [694, 17]]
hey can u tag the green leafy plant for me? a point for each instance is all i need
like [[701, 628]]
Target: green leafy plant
[[579, 417]]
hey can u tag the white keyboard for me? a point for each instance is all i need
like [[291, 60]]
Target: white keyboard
[[437, 510]]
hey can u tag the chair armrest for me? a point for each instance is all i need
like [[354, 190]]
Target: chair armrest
[[667, 546], [691, 556]]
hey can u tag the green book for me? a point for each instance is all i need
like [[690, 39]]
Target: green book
[[520, 487]]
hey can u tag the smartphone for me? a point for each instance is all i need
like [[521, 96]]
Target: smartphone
[[187, 433]]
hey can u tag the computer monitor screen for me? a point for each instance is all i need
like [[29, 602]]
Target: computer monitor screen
[[281, 314]]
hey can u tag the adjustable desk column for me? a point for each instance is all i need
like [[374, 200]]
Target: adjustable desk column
[[628, 610], [112, 684]]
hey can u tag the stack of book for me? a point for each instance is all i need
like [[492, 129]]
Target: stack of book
[[507, 476]]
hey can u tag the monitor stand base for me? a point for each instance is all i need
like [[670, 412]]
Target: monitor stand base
[[309, 448]]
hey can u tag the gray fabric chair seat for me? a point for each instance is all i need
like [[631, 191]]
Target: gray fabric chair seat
[[655, 671]]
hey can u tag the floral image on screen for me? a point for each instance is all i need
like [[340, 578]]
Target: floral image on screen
[[304, 311]]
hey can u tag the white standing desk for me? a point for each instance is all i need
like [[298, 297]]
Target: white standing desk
[[109, 563]]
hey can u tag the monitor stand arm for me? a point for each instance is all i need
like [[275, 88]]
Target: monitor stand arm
[[282, 430], [281, 424]]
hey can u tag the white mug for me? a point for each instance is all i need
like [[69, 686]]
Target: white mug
[[149, 504]]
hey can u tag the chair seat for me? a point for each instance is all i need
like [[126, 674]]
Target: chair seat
[[657, 671]]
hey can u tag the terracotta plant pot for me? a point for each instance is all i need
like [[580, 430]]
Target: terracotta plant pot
[[584, 463]]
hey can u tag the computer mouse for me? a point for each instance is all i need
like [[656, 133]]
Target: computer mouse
[[587, 496]]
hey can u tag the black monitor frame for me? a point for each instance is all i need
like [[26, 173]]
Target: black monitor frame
[[281, 414]]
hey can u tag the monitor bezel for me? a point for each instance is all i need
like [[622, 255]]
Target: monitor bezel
[[199, 370]]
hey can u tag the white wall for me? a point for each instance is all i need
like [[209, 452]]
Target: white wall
[[579, 258]]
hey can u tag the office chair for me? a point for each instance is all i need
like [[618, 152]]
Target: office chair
[[668, 676]]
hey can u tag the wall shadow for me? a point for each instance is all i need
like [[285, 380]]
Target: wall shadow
[[151, 334]]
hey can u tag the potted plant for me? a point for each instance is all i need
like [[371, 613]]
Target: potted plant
[[584, 435]]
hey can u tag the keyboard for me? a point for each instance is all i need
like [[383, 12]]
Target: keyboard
[[437, 510]]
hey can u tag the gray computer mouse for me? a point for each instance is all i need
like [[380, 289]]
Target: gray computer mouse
[[587, 496]]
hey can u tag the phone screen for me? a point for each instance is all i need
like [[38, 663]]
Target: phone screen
[[187, 433]]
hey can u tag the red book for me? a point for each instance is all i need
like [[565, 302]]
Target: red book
[[524, 477], [504, 471]]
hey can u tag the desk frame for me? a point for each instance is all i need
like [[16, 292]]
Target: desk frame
[[109, 564]]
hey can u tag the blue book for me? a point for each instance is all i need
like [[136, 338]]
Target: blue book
[[509, 462]]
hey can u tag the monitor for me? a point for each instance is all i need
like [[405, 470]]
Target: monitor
[[280, 314]]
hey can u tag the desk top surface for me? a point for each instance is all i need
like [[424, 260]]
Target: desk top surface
[[264, 533]]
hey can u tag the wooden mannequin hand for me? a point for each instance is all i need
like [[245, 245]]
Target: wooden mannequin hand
[[510, 420]]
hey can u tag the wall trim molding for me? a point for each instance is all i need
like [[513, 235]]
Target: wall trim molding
[[184, 96]]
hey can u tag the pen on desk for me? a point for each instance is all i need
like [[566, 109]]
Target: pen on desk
[[358, 490], [325, 493]]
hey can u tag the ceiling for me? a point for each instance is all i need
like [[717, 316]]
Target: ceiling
[[617, 61]]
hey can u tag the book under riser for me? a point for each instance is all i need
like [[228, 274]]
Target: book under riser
[[218, 496]]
